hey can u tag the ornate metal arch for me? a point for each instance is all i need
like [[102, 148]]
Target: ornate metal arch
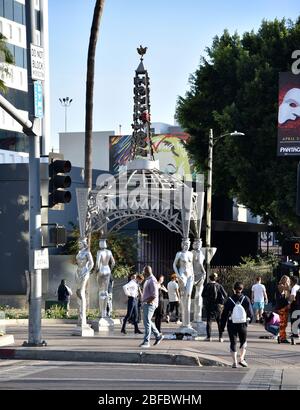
[[140, 194]]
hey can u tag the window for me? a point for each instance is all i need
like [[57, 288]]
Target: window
[[17, 98], [2, 8], [18, 12], [14, 141], [8, 9], [38, 20], [19, 56]]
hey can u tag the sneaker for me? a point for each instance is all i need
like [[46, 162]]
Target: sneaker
[[243, 363], [177, 322], [144, 345], [284, 341], [158, 340], [208, 339], [167, 318], [221, 340], [123, 331], [234, 366], [138, 331]]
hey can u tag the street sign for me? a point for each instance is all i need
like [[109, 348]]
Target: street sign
[[38, 99], [41, 259], [37, 62]]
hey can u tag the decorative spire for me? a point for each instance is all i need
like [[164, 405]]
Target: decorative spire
[[141, 143], [142, 51]]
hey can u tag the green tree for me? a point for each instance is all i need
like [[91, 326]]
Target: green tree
[[236, 88], [5, 58]]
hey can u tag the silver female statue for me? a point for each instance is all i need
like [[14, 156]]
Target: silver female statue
[[85, 264], [200, 276], [183, 267], [104, 265]]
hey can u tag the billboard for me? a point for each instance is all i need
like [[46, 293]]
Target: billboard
[[169, 149], [288, 142]]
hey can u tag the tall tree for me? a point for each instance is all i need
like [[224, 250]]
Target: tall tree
[[90, 92], [236, 88], [5, 58]]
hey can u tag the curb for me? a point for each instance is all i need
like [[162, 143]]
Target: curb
[[110, 357], [10, 322], [104, 357]]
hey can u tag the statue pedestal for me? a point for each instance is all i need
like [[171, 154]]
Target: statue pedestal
[[84, 330], [187, 330], [104, 324], [200, 328]]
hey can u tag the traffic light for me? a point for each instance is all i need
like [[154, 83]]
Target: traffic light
[[58, 235], [58, 181]]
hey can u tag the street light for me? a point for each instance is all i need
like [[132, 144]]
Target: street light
[[65, 102], [211, 142]]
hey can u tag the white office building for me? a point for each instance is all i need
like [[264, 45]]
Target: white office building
[[13, 27]]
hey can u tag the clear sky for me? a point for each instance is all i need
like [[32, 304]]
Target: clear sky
[[176, 33]]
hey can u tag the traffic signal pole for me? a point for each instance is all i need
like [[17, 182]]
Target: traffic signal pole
[[35, 234], [32, 128]]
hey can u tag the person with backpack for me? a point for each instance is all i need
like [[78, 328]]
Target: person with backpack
[[294, 305], [64, 294], [214, 296], [237, 314]]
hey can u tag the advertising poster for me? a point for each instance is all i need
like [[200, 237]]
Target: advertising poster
[[169, 149], [289, 115]]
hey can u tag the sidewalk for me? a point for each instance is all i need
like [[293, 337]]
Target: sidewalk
[[115, 347]]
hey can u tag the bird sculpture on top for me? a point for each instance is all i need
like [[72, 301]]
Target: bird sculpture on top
[[142, 50]]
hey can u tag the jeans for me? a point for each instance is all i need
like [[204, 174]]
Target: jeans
[[272, 329], [148, 324]]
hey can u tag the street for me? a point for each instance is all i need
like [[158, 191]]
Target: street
[[50, 375]]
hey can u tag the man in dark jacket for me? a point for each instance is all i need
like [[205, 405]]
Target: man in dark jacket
[[64, 294], [214, 296]]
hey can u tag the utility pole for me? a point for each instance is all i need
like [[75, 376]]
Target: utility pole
[[35, 235]]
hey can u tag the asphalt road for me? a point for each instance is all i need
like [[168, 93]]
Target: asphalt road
[[47, 375]]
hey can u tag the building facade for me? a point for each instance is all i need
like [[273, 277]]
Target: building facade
[[13, 27]]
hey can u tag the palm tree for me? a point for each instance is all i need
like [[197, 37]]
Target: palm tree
[[90, 92], [5, 58]]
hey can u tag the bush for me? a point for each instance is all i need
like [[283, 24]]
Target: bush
[[13, 313], [246, 273], [56, 312]]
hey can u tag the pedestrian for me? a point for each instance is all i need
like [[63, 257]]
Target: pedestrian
[[214, 296], [150, 302], [64, 294], [294, 305], [282, 306], [237, 313], [258, 299], [174, 296], [131, 289], [159, 311], [271, 322]]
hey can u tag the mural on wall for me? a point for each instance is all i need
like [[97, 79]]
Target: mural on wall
[[169, 149]]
